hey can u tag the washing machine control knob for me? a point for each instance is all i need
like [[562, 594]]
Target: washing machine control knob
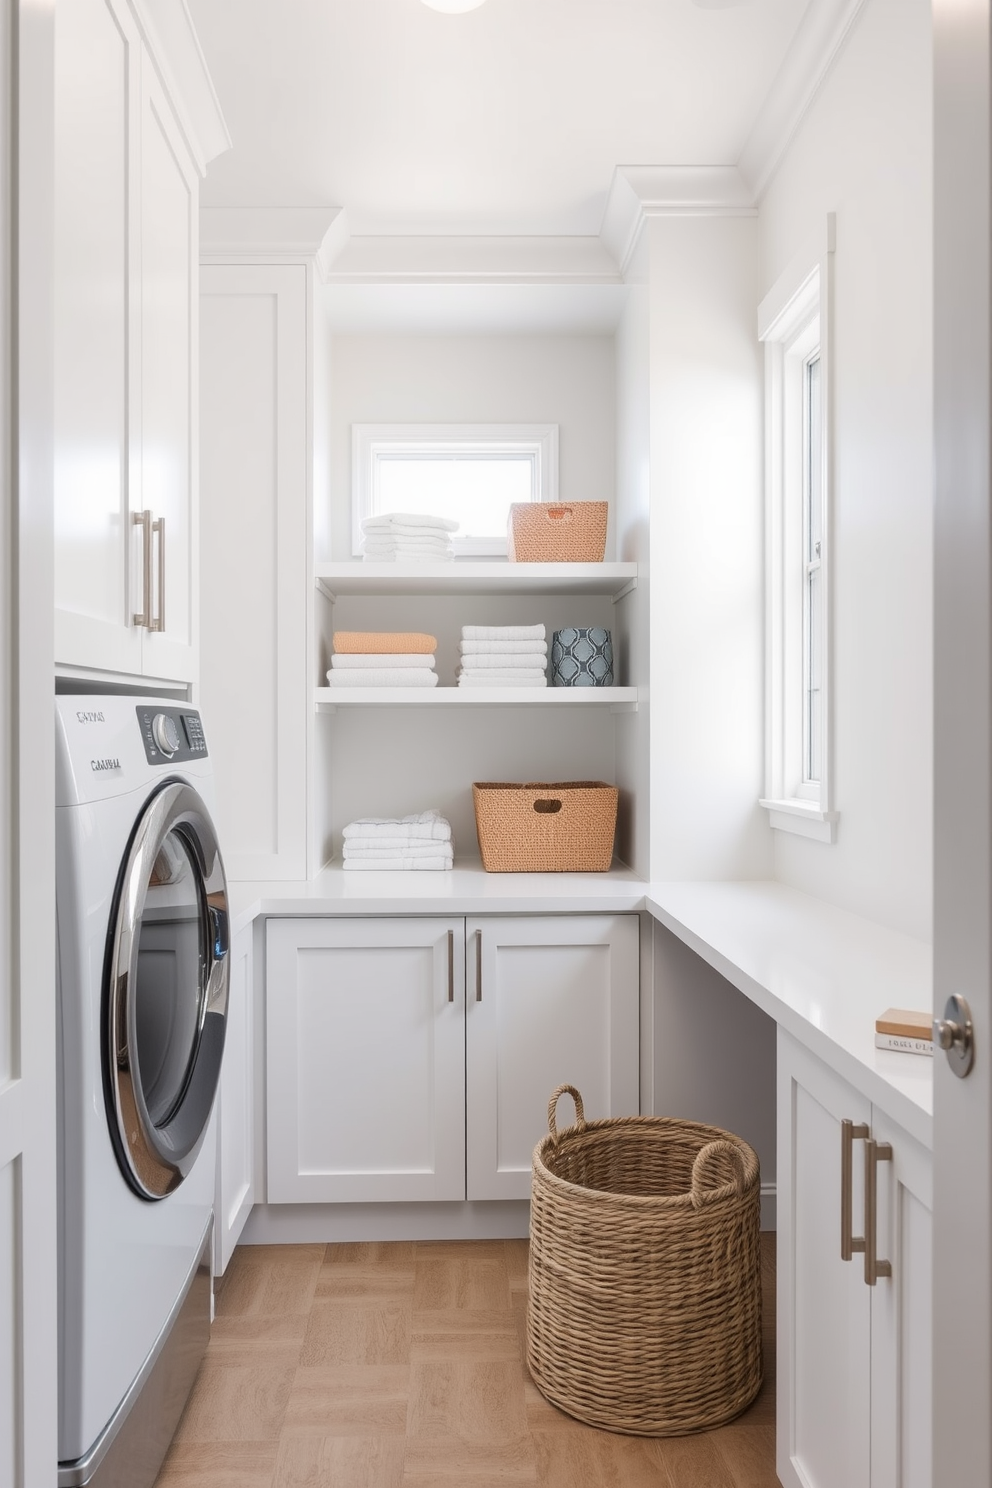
[[165, 734]]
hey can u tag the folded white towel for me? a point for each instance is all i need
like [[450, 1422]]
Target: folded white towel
[[364, 661], [394, 847], [504, 633], [387, 677], [519, 660], [396, 865], [408, 535], [400, 557], [429, 825], [502, 648], [411, 851], [407, 519], [502, 679]]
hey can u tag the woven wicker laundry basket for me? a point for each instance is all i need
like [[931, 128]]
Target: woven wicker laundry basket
[[557, 531], [644, 1311]]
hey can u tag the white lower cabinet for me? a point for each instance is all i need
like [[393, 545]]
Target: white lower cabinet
[[552, 1000], [853, 1358], [370, 1097], [235, 1191]]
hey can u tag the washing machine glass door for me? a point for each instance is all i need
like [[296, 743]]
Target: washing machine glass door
[[166, 994]]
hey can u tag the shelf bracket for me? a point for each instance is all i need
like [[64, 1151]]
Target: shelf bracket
[[623, 707], [327, 592], [626, 589]]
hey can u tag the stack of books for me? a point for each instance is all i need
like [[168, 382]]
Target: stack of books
[[909, 1032]]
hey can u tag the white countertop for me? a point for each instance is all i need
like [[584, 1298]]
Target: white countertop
[[822, 973]]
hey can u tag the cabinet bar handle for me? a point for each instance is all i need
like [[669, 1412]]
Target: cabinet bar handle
[[158, 526], [451, 965], [143, 519], [875, 1152], [849, 1243], [478, 965]]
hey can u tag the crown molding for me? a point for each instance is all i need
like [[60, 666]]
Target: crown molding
[[640, 192], [170, 36], [474, 260], [822, 32], [273, 235]]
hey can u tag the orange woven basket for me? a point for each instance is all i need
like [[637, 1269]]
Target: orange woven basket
[[565, 827], [557, 531]]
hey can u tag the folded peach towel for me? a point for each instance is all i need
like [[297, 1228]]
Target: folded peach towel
[[376, 642]]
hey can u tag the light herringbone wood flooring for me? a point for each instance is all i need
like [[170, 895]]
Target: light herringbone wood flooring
[[402, 1366]]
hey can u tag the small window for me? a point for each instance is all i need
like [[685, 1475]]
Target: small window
[[469, 474], [793, 323]]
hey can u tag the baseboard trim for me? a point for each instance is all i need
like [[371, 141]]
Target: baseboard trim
[[309, 1224], [769, 1206]]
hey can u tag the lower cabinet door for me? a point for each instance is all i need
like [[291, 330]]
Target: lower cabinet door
[[901, 1348], [824, 1306], [365, 1079], [551, 1000], [235, 1191]]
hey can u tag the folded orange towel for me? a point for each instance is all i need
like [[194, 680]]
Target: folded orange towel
[[376, 642]]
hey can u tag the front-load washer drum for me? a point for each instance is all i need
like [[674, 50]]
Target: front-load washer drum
[[165, 998]]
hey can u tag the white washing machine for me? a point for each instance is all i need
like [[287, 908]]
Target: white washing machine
[[143, 978]]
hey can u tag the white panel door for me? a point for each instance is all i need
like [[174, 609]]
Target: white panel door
[[824, 1306], [365, 1060], [169, 306], [96, 431], [901, 1321], [253, 502], [236, 1109], [551, 1000]]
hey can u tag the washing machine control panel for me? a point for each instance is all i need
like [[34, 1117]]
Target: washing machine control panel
[[171, 735]]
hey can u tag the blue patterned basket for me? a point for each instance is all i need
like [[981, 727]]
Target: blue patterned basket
[[582, 657]]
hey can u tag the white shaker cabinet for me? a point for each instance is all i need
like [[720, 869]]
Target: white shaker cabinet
[[365, 1051], [853, 1357], [235, 1192], [551, 1000], [126, 263]]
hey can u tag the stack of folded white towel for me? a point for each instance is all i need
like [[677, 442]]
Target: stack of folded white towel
[[382, 658], [503, 656], [403, 537], [378, 844]]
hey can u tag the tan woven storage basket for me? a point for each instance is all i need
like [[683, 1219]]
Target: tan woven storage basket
[[563, 827], [644, 1314], [557, 531]]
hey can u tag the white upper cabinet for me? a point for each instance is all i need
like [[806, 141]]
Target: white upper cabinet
[[126, 311]]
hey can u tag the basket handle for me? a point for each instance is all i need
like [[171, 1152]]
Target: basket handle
[[700, 1193], [580, 1115], [559, 514]]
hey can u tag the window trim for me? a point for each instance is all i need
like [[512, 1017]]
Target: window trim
[[794, 321], [538, 440]]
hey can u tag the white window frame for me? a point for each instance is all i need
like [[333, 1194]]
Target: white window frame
[[794, 323], [368, 441]]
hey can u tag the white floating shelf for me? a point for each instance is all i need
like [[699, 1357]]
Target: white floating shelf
[[467, 577], [617, 699]]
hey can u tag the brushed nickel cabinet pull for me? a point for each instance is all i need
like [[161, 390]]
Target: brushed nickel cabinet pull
[[875, 1152], [158, 526], [143, 519], [451, 965], [849, 1243], [478, 965]]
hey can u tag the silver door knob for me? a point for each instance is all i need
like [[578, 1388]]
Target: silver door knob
[[955, 1034]]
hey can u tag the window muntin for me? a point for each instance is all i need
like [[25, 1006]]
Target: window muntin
[[470, 474], [812, 571]]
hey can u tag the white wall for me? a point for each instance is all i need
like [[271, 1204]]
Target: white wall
[[567, 380], [706, 551], [865, 152]]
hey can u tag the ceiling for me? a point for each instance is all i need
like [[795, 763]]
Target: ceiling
[[508, 119]]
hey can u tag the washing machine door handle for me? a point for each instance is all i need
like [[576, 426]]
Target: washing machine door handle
[[166, 990]]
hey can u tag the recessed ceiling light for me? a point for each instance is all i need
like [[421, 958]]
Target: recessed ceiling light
[[454, 7]]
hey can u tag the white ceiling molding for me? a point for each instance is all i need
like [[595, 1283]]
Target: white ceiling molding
[[822, 32], [273, 235], [638, 192], [168, 31], [474, 260]]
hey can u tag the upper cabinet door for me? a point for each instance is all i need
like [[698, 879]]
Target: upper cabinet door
[[168, 318], [97, 65]]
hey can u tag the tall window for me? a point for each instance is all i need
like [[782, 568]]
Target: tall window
[[793, 323], [469, 474]]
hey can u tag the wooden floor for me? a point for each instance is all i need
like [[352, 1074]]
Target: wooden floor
[[376, 1366]]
